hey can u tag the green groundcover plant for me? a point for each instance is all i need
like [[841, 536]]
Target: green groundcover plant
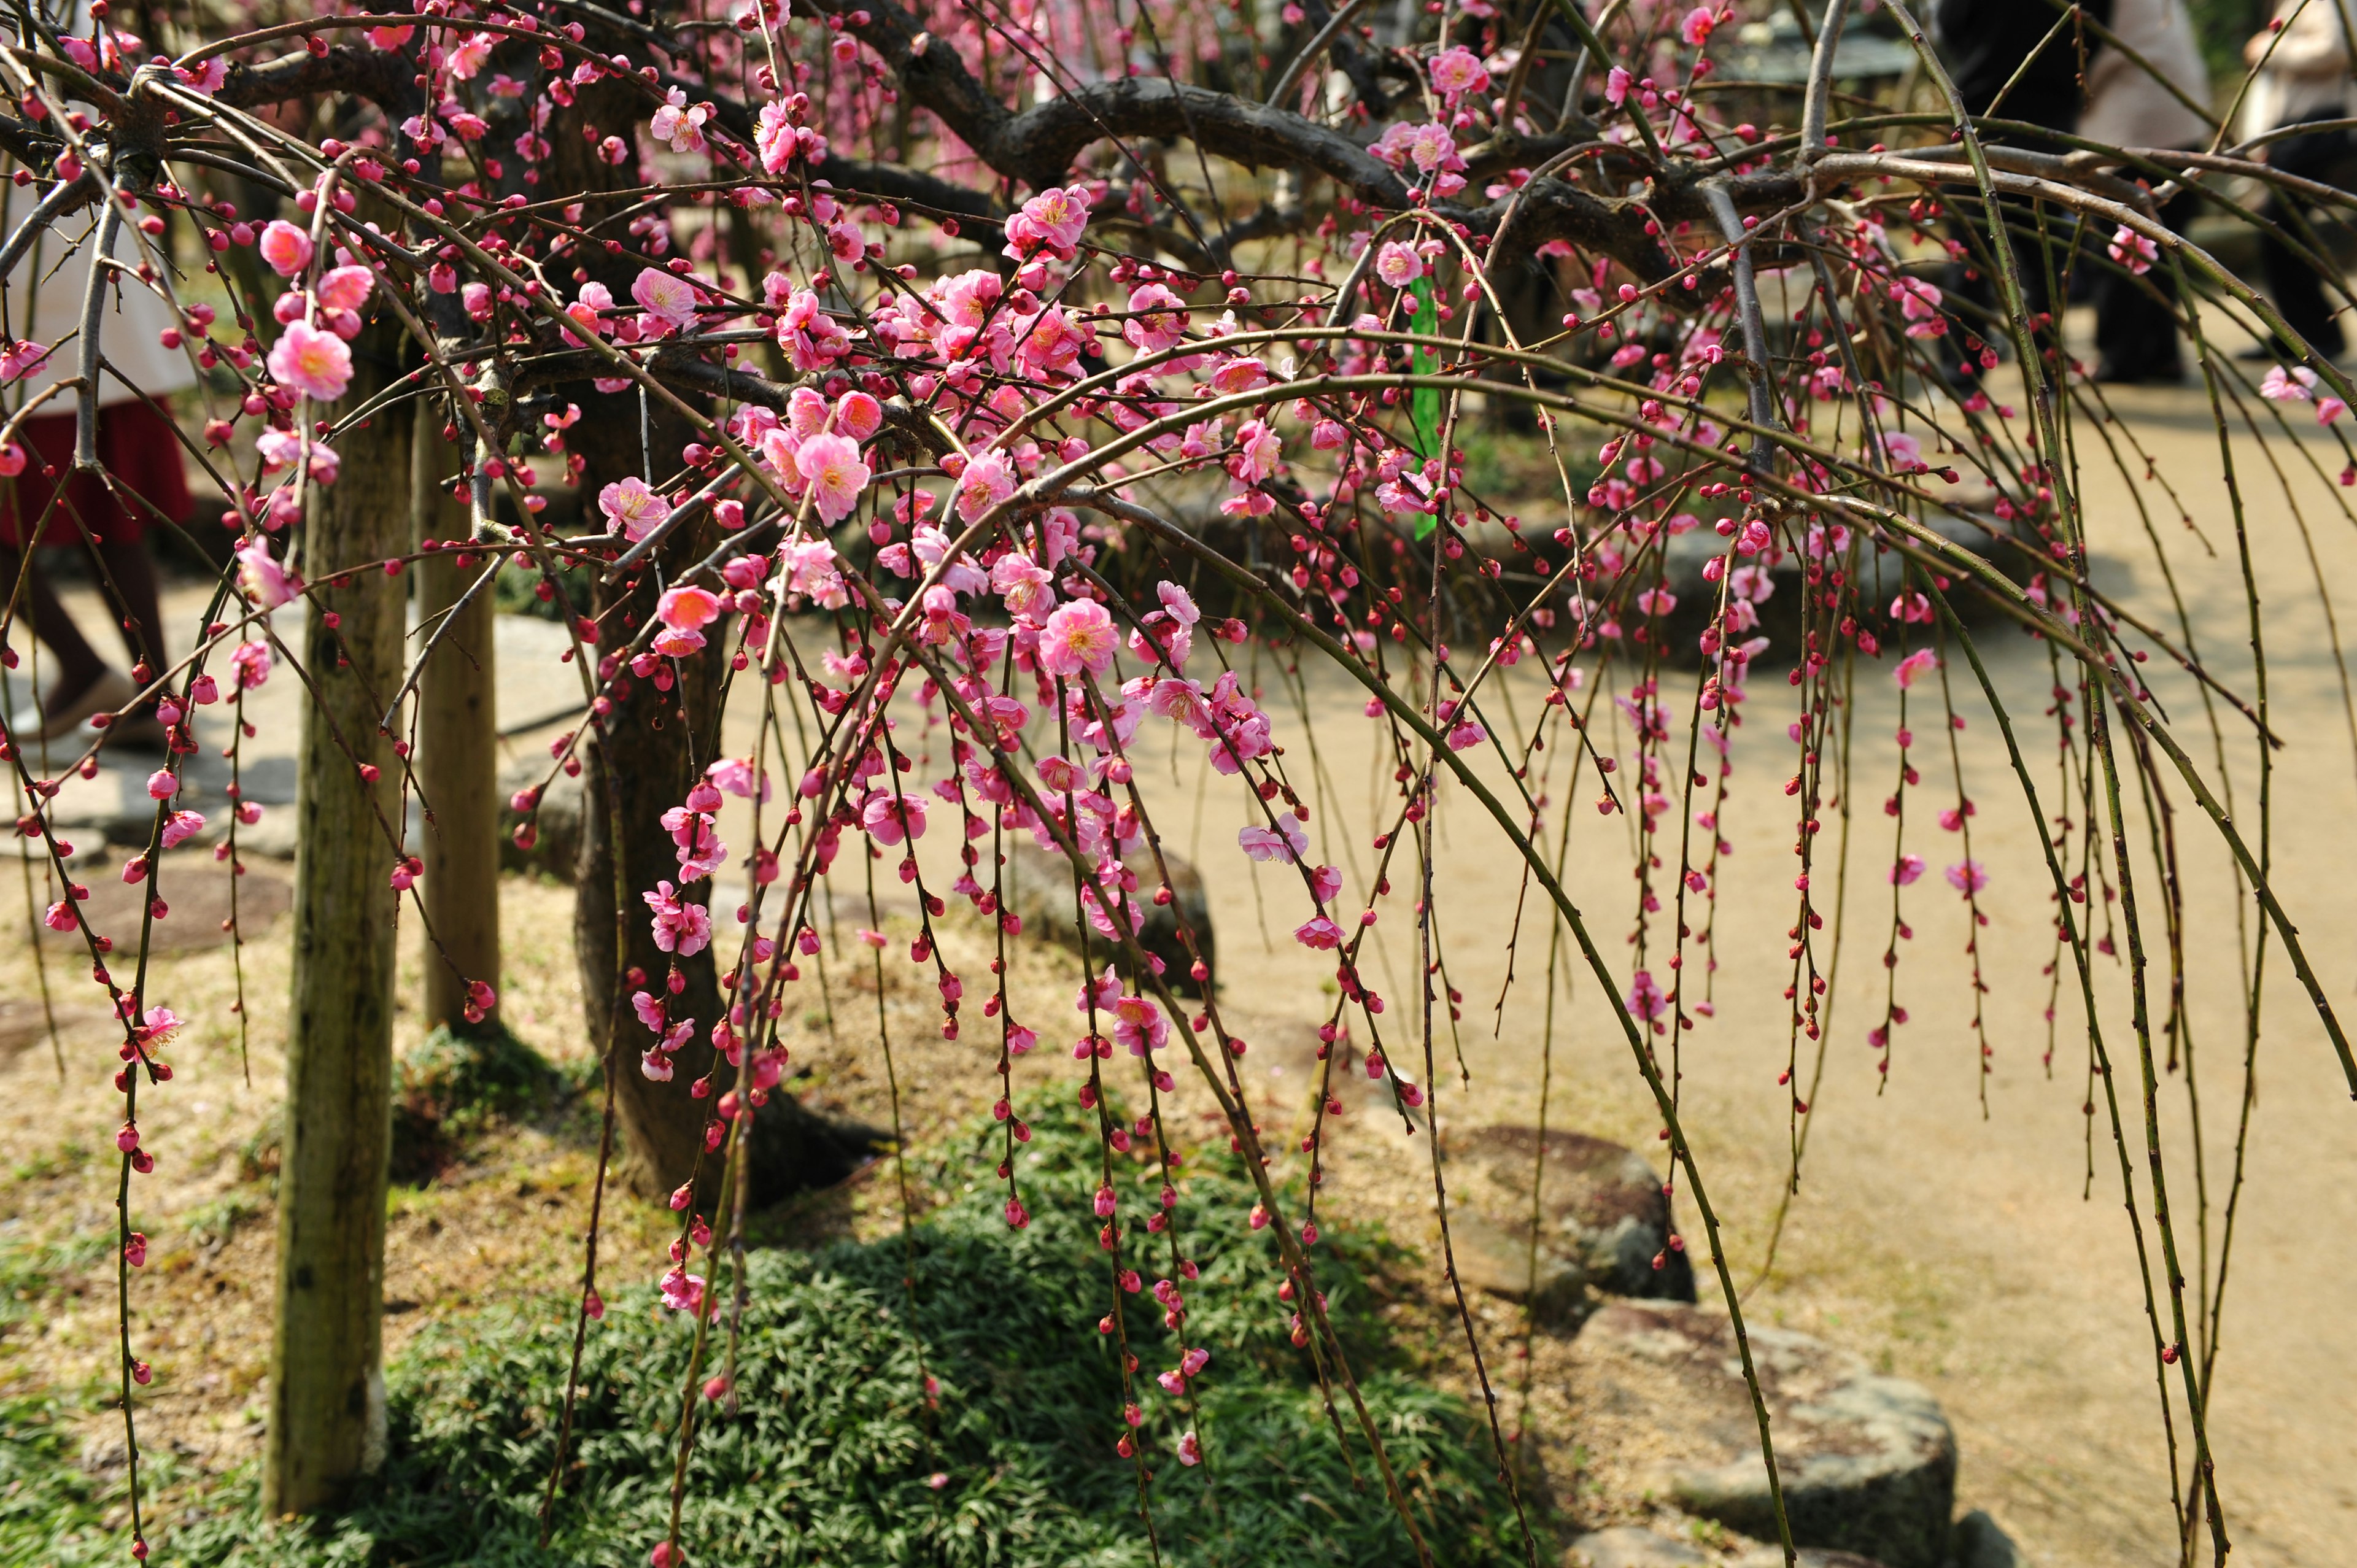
[[834, 1455]]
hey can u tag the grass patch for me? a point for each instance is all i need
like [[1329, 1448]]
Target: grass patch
[[835, 1453]]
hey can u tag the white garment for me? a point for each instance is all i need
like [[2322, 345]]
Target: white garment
[[2125, 107], [45, 297], [2308, 71]]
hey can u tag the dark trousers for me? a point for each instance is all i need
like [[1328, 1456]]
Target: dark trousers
[[2136, 320], [1969, 280], [2299, 292]]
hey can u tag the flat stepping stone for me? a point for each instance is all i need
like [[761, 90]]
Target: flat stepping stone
[[1039, 890], [1634, 1546], [195, 897], [1868, 1463], [1603, 1220]]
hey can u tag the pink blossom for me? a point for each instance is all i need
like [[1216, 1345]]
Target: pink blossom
[[1903, 452], [1023, 585], [2132, 250], [1139, 1027], [682, 1291], [1617, 82], [1696, 27], [679, 125], [1906, 869], [267, 580], [1052, 221], [2279, 385], [20, 360], [1287, 842], [682, 928], [286, 248], [629, 504], [837, 475], [346, 288], [1320, 933], [1078, 636], [1457, 71], [181, 826], [1256, 456], [987, 480], [889, 817], [1967, 877], [1645, 998], [314, 363], [471, 54], [858, 416], [735, 776], [1398, 264], [1914, 665], [687, 607], [1159, 319], [665, 296]]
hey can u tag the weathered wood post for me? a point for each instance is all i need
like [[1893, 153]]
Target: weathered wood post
[[326, 1378], [457, 739]]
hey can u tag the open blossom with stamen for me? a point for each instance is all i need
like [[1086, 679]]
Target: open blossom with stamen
[[666, 297], [837, 477], [1457, 71], [314, 363], [1398, 264], [631, 507], [1079, 637], [1967, 877]]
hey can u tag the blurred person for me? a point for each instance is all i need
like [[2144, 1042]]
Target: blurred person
[[2007, 61], [2303, 78], [108, 517], [2136, 321]]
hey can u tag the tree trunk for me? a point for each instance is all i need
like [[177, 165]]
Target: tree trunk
[[327, 1397], [644, 754], [457, 744]]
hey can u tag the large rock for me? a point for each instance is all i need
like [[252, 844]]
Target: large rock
[[1980, 1543], [1868, 1463], [1038, 888], [1634, 1546], [1603, 1220]]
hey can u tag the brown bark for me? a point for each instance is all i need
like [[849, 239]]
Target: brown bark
[[327, 1379], [457, 744]]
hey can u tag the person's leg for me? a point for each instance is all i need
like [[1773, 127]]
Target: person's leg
[[77, 664], [128, 576], [2136, 319], [2299, 294]]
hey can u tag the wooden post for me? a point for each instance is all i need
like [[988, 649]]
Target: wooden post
[[326, 1378], [457, 742]]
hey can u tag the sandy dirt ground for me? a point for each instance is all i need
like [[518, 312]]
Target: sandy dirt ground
[[1970, 1250]]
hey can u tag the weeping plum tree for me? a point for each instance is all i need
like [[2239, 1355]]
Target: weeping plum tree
[[1019, 369]]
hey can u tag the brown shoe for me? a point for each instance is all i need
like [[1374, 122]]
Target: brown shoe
[[111, 691]]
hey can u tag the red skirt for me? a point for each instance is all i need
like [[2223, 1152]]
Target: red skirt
[[136, 444]]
